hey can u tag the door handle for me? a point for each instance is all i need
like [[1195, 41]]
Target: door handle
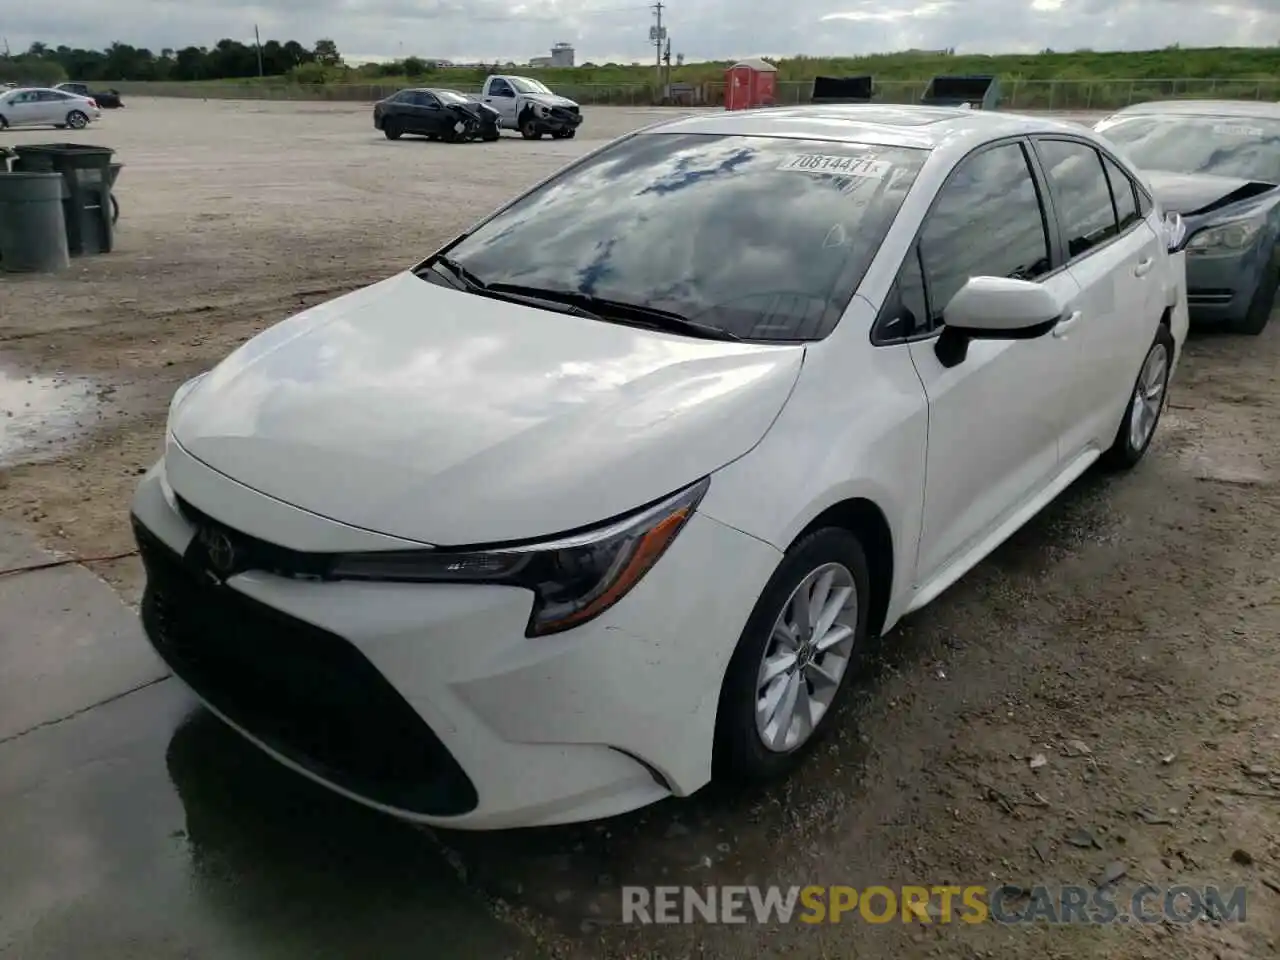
[[1063, 327], [1144, 267]]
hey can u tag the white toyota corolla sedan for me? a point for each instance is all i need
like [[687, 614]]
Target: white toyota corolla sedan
[[609, 493]]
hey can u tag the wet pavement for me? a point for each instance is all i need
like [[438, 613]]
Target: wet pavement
[[41, 414], [136, 825]]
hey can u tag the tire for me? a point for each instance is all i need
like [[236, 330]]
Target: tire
[[77, 120], [740, 749], [115, 209], [391, 129], [491, 136], [529, 129], [4, 124], [1131, 441], [1260, 307]]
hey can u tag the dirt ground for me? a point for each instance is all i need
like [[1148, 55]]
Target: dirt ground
[[1130, 635]]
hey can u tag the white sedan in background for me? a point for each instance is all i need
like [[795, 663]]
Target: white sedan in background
[[41, 107], [609, 493]]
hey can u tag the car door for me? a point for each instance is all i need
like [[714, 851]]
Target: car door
[[22, 108], [1114, 256], [435, 118], [502, 97], [996, 418], [52, 107]]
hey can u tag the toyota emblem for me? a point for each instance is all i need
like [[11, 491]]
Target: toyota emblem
[[220, 550]]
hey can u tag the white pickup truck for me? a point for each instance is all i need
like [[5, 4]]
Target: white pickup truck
[[526, 105]]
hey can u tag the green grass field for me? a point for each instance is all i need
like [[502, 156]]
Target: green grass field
[[1079, 80], [1251, 63]]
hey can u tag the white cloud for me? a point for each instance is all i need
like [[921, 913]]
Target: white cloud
[[618, 29]]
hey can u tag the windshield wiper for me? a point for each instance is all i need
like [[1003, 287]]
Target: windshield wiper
[[463, 279], [621, 311], [469, 280]]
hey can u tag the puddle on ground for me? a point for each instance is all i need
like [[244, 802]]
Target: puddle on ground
[[40, 415]]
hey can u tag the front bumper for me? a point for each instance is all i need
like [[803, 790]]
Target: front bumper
[[1220, 289], [428, 702], [557, 119]]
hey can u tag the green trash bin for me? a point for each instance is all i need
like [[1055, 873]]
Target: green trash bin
[[86, 197], [33, 231]]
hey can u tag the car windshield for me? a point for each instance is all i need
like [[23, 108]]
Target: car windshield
[[451, 96], [528, 86], [762, 238], [1245, 147]]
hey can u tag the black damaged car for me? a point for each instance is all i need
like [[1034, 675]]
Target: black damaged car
[[436, 114]]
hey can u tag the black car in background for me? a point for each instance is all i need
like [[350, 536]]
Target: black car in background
[[436, 114], [106, 99]]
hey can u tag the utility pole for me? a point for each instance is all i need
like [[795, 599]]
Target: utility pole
[[658, 33], [257, 42]]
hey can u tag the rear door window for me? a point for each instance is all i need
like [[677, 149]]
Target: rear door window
[[1124, 193], [988, 221], [1081, 194]]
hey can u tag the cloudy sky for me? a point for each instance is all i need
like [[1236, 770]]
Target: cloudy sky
[[618, 29]]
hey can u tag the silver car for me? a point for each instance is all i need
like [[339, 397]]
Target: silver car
[[1217, 163], [42, 107]]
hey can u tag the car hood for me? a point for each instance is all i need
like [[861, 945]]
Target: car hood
[[433, 415], [550, 99], [1194, 194]]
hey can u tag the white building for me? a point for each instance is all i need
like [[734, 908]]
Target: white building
[[561, 56]]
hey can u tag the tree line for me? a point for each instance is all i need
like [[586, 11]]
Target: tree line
[[43, 64]]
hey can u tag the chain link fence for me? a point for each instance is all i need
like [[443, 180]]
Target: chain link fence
[[1015, 94]]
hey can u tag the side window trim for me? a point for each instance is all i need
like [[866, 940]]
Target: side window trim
[[1108, 165], [1061, 230], [1048, 216]]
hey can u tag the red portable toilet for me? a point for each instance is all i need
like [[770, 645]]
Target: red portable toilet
[[750, 83]]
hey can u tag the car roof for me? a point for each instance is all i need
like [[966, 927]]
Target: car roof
[[1262, 109], [918, 127]]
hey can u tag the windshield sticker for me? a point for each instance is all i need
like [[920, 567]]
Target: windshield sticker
[[865, 167], [1235, 130]]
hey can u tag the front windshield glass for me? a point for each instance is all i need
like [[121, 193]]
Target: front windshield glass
[[528, 86], [1245, 147], [765, 238], [451, 96]]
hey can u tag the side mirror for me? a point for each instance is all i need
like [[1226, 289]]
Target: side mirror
[[995, 308], [1175, 232]]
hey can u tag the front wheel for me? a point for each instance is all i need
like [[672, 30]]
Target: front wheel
[[1146, 403], [77, 120], [806, 635], [391, 129], [529, 130], [4, 124]]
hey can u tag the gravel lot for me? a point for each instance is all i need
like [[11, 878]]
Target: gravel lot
[[1128, 635]]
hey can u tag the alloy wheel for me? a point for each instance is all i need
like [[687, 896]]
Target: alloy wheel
[[806, 657], [1148, 396]]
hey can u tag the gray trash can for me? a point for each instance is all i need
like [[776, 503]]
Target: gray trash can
[[33, 230]]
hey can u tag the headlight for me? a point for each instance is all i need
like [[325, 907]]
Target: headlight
[[574, 578], [1226, 238]]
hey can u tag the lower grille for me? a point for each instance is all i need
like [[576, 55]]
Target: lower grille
[[1208, 297], [307, 693]]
